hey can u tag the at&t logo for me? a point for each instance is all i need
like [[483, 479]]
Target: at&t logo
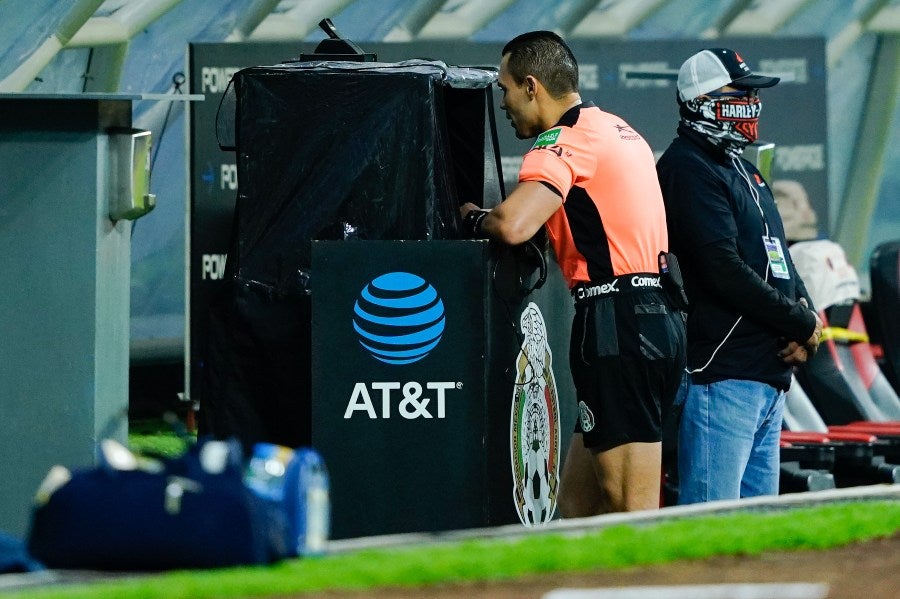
[[399, 318]]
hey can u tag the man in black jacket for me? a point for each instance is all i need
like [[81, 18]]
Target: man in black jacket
[[750, 318]]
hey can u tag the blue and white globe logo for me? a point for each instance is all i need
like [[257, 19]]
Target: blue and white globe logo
[[399, 318]]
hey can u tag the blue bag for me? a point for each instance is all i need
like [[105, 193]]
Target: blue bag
[[134, 514]]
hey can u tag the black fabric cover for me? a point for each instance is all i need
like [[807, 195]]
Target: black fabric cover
[[330, 151], [256, 375]]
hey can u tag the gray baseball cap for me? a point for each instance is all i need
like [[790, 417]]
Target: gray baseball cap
[[713, 68]]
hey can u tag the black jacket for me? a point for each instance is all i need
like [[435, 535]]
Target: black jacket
[[716, 229]]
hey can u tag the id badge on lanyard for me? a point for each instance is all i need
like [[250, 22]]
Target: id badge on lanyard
[[777, 263]]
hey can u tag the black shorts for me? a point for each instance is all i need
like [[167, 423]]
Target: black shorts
[[627, 355]]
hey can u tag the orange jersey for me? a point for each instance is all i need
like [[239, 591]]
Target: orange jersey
[[612, 221]]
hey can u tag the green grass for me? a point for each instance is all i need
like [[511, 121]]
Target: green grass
[[157, 438], [494, 559]]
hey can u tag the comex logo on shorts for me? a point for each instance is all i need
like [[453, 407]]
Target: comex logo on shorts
[[399, 318]]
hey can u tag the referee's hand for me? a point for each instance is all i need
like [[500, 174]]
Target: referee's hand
[[472, 218]]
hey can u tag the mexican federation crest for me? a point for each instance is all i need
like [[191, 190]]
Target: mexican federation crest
[[534, 424]]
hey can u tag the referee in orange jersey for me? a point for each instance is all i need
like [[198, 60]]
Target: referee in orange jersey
[[590, 179]]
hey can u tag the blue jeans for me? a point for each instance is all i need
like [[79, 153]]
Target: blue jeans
[[728, 440]]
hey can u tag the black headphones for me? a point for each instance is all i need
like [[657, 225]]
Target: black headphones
[[532, 250], [524, 259]]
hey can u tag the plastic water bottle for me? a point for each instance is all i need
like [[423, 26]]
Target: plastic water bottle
[[307, 495], [295, 482], [266, 470]]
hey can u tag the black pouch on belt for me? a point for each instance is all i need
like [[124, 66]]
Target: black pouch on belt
[[670, 277]]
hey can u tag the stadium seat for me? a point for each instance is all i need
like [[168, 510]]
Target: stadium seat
[[884, 306], [857, 459], [859, 454], [887, 434], [834, 387], [843, 379], [806, 467], [891, 427], [807, 460], [848, 330], [799, 412], [867, 450]]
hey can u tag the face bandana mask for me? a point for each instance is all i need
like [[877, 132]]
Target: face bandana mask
[[728, 123]]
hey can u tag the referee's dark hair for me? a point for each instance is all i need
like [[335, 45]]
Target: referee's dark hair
[[547, 57]]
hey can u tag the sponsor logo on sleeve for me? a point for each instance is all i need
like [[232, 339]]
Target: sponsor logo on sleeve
[[627, 133], [547, 138]]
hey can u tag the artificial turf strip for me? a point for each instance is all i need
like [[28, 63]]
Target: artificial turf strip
[[619, 546], [168, 446], [158, 438]]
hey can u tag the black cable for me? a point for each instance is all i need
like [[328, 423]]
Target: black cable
[[224, 95], [87, 70], [495, 142], [523, 292], [178, 80]]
